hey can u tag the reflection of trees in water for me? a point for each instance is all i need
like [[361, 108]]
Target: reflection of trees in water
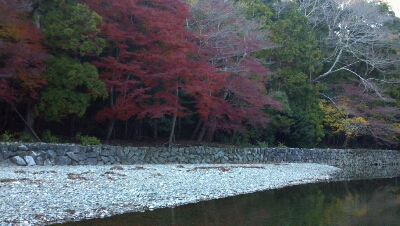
[[239, 211], [362, 202], [374, 205], [366, 172]]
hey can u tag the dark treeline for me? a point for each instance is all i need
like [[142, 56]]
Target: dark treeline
[[311, 73]]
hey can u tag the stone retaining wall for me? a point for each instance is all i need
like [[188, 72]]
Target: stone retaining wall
[[27, 154]]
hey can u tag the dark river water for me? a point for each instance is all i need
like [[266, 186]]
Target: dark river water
[[352, 198]]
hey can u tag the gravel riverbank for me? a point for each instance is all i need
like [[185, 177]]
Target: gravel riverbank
[[48, 194]]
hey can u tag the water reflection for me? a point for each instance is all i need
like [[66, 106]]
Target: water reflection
[[356, 202], [367, 172]]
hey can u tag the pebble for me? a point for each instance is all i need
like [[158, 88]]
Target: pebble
[[42, 195]]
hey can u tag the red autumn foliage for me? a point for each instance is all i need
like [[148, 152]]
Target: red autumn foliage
[[380, 114], [227, 40], [147, 62], [152, 59], [21, 53]]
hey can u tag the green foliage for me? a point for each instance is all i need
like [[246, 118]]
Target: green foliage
[[262, 144], [71, 87], [249, 138], [241, 140], [70, 31], [308, 114], [300, 122], [385, 8], [87, 140], [281, 145], [68, 92], [7, 136], [296, 57], [284, 100], [25, 137], [47, 136], [297, 44], [71, 27], [281, 121], [163, 124], [256, 9], [307, 130]]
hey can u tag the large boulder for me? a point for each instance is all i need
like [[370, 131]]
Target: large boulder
[[22, 147], [18, 161], [72, 156], [29, 160]]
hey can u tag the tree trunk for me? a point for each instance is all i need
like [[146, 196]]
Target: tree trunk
[[171, 134], [139, 129], [112, 121], [210, 133], [126, 129], [364, 143], [212, 123], [155, 135], [196, 129], [114, 131], [345, 142], [179, 128], [202, 132], [110, 128], [30, 116], [73, 120], [211, 128], [30, 119], [30, 122], [135, 129]]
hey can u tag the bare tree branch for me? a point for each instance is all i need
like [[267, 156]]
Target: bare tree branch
[[355, 35]]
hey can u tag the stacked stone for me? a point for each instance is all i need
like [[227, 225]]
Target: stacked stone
[[28, 154], [57, 154]]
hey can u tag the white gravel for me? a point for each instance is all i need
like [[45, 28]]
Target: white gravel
[[48, 194]]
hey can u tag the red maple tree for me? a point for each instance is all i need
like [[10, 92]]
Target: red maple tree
[[381, 114], [227, 40], [21, 57], [152, 60], [146, 65]]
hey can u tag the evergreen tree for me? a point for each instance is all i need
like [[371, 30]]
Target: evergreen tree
[[72, 37], [294, 59]]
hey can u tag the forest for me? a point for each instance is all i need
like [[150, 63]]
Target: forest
[[269, 73]]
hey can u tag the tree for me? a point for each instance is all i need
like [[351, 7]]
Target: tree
[[341, 121], [228, 40], [354, 37], [70, 27], [72, 85], [71, 35], [359, 114], [358, 41], [146, 64], [294, 58], [21, 58]]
